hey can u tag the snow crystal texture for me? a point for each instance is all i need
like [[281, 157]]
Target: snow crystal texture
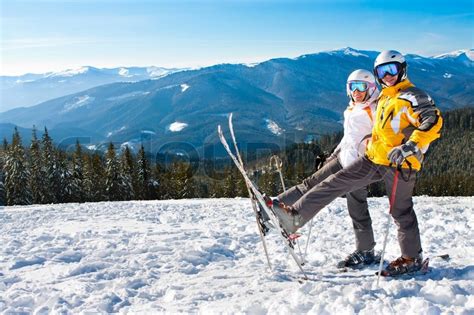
[[205, 256]]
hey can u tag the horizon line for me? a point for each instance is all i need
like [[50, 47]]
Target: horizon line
[[200, 66]]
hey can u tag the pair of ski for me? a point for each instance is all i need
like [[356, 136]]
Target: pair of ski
[[258, 201]]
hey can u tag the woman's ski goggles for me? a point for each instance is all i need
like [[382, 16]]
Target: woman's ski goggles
[[358, 85], [390, 68]]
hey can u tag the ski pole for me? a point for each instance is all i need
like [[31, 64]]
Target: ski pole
[[307, 240], [275, 160], [392, 202], [320, 160]]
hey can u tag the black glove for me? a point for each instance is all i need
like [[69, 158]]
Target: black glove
[[398, 154], [320, 160]]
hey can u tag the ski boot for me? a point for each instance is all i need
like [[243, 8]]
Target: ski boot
[[359, 259], [404, 265], [290, 220]]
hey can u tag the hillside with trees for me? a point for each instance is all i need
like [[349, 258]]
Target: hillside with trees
[[40, 173]]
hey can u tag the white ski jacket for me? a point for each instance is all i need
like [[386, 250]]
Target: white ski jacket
[[358, 122]]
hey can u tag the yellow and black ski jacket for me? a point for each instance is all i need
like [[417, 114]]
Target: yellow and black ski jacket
[[404, 113]]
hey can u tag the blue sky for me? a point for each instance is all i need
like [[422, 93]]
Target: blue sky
[[51, 35]]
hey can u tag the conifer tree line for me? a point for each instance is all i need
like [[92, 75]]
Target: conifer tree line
[[43, 174], [449, 166], [40, 173], [448, 169]]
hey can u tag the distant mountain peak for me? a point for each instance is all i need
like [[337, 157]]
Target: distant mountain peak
[[467, 53], [347, 51], [70, 72], [124, 72], [157, 72]]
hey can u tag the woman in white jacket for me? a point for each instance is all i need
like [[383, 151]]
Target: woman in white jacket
[[358, 122]]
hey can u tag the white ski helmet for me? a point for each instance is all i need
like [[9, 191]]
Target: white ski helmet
[[390, 57], [361, 76]]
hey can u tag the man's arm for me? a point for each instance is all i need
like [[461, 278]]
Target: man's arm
[[424, 115]]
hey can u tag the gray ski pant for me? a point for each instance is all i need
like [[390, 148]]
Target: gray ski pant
[[360, 174], [356, 203]]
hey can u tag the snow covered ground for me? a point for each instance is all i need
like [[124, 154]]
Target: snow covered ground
[[206, 256]]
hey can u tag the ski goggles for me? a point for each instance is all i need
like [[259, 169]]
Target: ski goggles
[[388, 68], [358, 85]]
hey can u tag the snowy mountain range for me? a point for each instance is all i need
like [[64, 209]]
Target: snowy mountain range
[[31, 89], [275, 102]]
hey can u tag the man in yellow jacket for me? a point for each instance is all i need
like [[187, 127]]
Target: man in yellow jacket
[[406, 122]]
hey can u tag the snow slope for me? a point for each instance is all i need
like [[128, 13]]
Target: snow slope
[[205, 256]]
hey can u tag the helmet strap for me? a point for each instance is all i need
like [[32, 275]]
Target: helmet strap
[[402, 72], [366, 96]]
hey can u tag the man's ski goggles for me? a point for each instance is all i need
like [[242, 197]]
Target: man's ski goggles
[[358, 85], [390, 68]]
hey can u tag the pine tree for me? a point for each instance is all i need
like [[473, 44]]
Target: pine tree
[[159, 174], [78, 181], [94, 178], [216, 189], [184, 182], [268, 182], [88, 179], [241, 187], [145, 183], [66, 183], [50, 171], [200, 189], [114, 181], [99, 173], [3, 157], [130, 176], [229, 183], [17, 173], [36, 180], [178, 181]]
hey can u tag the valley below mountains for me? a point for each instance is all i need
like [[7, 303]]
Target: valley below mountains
[[276, 102]]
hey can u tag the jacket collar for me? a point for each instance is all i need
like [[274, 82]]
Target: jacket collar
[[393, 90]]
